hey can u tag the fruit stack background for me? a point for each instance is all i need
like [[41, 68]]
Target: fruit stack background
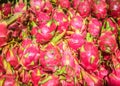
[[60, 43]]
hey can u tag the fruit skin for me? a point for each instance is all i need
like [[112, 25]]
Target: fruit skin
[[61, 20], [77, 24], [3, 34], [29, 54], [99, 9], [107, 42], [94, 27], [50, 58], [48, 8], [89, 56], [19, 7], [114, 78], [7, 8], [114, 8], [12, 56], [44, 32], [90, 79], [110, 25], [64, 3], [117, 54], [9, 80], [42, 17], [84, 8], [75, 41], [36, 75], [37, 5], [2, 70]]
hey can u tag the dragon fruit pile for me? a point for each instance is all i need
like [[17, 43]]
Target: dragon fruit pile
[[60, 43]]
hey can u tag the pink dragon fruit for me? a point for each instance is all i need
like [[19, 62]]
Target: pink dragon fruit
[[99, 9], [7, 8], [94, 27], [90, 79], [114, 77], [107, 42], [3, 34], [2, 70], [19, 7], [45, 32], [61, 19], [75, 4], [114, 8], [102, 72], [47, 7], [117, 54], [89, 55], [36, 75], [12, 56], [71, 12], [8, 80], [68, 56], [50, 58], [64, 3], [110, 25], [37, 5], [29, 54], [24, 76], [77, 24], [42, 17], [84, 8], [75, 41]]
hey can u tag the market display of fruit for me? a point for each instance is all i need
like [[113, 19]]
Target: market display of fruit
[[60, 43]]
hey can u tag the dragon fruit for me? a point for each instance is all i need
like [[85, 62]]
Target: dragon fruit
[[12, 56], [29, 54], [7, 8], [64, 3], [59, 42], [77, 24], [3, 34], [42, 17], [48, 8], [75, 4], [50, 58], [8, 80], [107, 42], [36, 75], [2, 70], [67, 57], [102, 72], [114, 8], [37, 5], [94, 27], [44, 32], [99, 9], [19, 7], [110, 25], [75, 41], [117, 54], [90, 79], [24, 76], [61, 20], [114, 76], [84, 8], [89, 55]]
